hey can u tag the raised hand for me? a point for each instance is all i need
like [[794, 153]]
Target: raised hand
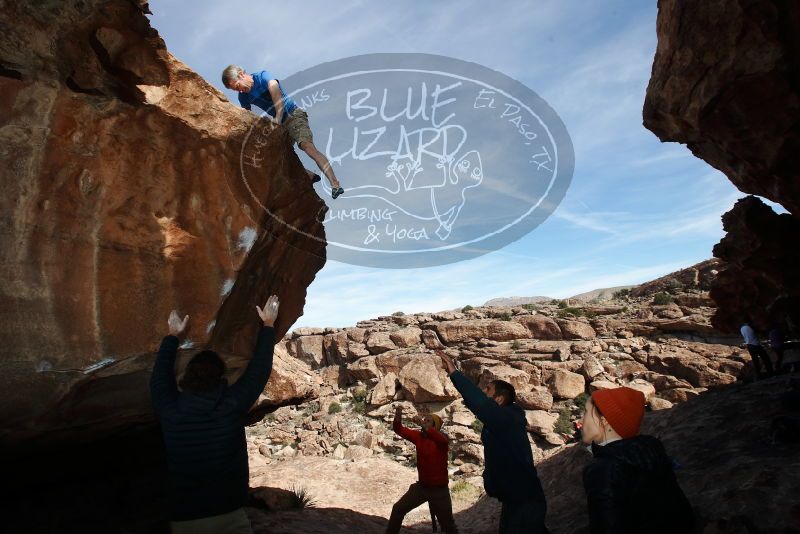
[[270, 311], [176, 325], [447, 361]]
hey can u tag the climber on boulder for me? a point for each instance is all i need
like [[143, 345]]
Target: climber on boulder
[[264, 90], [509, 474], [432, 486], [203, 428]]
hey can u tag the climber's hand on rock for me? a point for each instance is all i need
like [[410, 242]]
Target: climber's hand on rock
[[270, 311], [447, 361], [176, 325]]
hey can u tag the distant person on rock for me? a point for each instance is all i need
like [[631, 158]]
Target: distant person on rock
[[630, 484], [432, 486], [264, 90], [203, 427], [757, 352], [776, 340], [509, 474]]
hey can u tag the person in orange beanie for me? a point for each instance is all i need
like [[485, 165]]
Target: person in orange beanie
[[630, 484]]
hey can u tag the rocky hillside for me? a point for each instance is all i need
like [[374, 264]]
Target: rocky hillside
[[340, 449], [656, 338]]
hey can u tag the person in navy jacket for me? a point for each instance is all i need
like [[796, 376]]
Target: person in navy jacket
[[202, 424], [509, 474]]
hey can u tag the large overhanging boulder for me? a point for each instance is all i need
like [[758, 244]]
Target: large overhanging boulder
[[725, 82], [123, 196]]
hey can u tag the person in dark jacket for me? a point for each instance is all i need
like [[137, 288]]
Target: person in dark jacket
[[630, 484], [509, 474], [203, 429], [432, 487]]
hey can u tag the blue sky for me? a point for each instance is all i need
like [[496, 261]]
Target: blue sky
[[636, 208]]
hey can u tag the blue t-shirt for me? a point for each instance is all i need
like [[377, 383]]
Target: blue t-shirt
[[259, 95]]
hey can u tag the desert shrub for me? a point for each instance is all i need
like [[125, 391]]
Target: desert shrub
[[622, 293], [674, 285], [360, 406], [570, 311], [530, 307], [505, 316], [467, 308], [301, 499], [516, 345], [311, 408], [477, 426], [334, 407], [564, 423], [462, 488], [563, 304], [661, 299], [580, 400], [271, 418], [398, 314], [359, 394]]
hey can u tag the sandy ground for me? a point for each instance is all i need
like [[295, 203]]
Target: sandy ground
[[355, 497]]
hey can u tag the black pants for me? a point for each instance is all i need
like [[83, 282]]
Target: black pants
[[757, 352], [525, 517]]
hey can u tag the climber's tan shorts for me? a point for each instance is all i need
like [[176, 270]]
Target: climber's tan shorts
[[298, 126]]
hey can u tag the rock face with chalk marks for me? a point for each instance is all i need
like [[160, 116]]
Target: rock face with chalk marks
[[123, 195]]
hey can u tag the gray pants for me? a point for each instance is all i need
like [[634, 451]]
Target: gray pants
[[235, 522]]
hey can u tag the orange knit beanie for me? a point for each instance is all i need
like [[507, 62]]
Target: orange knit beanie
[[622, 407]]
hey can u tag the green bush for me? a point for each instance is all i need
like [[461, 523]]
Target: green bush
[[562, 304], [477, 426], [564, 423], [334, 407], [359, 394], [467, 308], [463, 489], [360, 406], [580, 400], [398, 314], [570, 311], [505, 316], [674, 285], [661, 299], [530, 307]]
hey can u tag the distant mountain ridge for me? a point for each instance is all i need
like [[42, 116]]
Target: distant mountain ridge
[[516, 301], [606, 293]]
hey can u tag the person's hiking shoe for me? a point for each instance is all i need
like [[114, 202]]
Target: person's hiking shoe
[[316, 179], [336, 191]]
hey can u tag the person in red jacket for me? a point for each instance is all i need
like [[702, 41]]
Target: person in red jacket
[[432, 487]]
